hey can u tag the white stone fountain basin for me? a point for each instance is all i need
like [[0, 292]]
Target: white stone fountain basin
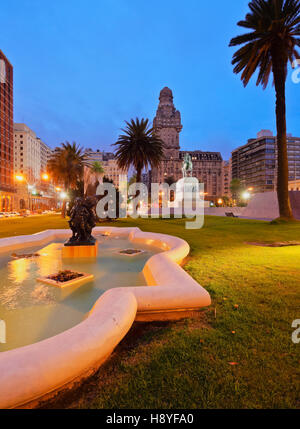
[[37, 370]]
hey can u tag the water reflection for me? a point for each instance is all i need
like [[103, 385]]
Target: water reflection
[[19, 270], [34, 311]]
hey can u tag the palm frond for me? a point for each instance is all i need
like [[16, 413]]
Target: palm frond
[[138, 146], [275, 35]]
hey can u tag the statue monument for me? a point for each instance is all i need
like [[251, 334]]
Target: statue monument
[[187, 187], [187, 165], [83, 219]]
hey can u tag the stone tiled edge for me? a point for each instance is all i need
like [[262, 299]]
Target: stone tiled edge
[[33, 371]]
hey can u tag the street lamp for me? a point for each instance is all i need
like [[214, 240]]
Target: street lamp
[[19, 178], [45, 176], [30, 188], [246, 195]]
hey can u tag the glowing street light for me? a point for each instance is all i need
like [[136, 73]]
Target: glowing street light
[[58, 189], [63, 195], [220, 201], [45, 176], [246, 195], [19, 177]]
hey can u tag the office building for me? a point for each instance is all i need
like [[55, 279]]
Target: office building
[[255, 163]]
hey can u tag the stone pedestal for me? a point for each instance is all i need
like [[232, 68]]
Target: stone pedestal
[[80, 251], [187, 190]]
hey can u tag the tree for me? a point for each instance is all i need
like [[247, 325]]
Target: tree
[[269, 47], [236, 188], [119, 200], [132, 180], [97, 169], [92, 176], [66, 167], [139, 147], [226, 200], [76, 192]]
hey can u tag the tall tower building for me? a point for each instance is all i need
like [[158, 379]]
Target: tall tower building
[[255, 163], [27, 157], [31, 156], [207, 166], [6, 135], [167, 123]]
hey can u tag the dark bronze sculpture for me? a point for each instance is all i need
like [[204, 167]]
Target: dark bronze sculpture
[[83, 219]]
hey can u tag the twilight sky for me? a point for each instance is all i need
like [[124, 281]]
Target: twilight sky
[[82, 67]]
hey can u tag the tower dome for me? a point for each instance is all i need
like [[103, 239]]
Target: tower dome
[[167, 124], [166, 90], [165, 93]]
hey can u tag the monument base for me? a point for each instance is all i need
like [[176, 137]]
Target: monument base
[[80, 251]]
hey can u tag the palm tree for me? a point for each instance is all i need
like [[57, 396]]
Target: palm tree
[[139, 147], [132, 180], [66, 166], [269, 47], [94, 170], [97, 168]]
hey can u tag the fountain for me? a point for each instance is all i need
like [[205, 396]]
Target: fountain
[[68, 331]]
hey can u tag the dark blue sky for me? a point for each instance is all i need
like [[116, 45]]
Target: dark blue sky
[[82, 67]]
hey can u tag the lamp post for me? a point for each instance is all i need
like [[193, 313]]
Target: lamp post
[[21, 179], [246, 195], [31, 187]]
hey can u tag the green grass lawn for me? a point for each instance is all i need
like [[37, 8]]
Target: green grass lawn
[[186, 364]]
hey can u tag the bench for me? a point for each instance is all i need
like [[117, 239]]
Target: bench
[[230, 214]]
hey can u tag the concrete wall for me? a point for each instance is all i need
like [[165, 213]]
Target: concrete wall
[[262, 206]]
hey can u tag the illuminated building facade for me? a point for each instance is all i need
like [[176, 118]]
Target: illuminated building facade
[[207, 166], [7, 189]]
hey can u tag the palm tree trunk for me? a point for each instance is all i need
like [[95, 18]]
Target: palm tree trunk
[[285, 210], [63, 209], [138, 180], [138, 175]]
